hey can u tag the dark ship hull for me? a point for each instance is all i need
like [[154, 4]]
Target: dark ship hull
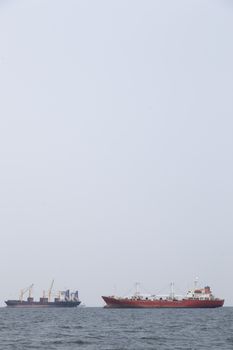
[[65, 299], [38, 304]]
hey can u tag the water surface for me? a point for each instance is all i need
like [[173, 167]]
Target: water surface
[[116, 329]]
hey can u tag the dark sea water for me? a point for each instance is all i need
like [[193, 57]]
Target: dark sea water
[[118, 329]]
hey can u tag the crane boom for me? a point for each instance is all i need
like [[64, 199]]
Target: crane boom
[[50, 290], [25, 290]]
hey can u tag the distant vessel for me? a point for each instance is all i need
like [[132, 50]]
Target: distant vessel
[[195, 298], [64, 299]]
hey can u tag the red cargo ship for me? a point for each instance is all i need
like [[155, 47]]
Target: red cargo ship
[[196, 298]]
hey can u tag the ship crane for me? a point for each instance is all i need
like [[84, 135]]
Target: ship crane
[[50, 290], [24, 291]]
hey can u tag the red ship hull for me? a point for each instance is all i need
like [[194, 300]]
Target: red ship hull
[[185, 303]]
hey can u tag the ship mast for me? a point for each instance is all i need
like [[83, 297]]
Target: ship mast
[[195, 283], [172, 293], [137, 285], [30, 291]]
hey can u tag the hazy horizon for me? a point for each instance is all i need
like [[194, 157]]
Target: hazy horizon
[[116, 145]]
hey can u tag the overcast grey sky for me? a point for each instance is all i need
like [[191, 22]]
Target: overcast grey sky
[[116, 145]]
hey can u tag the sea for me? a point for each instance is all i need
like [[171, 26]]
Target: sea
[[116, 329]]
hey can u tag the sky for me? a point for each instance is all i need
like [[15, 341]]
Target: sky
[[116, 147]]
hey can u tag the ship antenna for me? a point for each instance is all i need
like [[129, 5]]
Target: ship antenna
[[196, 283]]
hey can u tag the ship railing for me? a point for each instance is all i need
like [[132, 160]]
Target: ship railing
[[169, 297]]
